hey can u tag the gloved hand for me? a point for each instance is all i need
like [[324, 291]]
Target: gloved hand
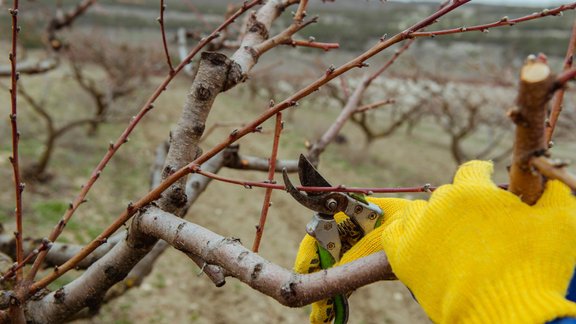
[[308, 261], [475, 253]]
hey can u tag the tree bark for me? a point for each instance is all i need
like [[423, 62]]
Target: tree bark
[[535, 90]]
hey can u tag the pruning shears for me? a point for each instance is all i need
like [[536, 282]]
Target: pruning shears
[[333, 239]]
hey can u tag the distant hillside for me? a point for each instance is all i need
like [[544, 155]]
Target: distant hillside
[[352, 23]]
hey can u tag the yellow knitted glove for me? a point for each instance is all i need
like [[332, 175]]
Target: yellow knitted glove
[[477, 254], [308, 261]]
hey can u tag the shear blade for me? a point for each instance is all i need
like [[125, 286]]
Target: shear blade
[[310, 177], [316, 202]]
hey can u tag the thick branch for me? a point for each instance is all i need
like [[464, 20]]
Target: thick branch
[[216, 73], [89, 289], [59, 252], [285, 286], [257, 31], [536, 83]]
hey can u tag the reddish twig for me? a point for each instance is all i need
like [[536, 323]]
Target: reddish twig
[[505, 21], [374, 105], [325, 46], [14, 159], [271, 170], [17, 266], [559, 96], [67, 19], [193, 166], [163, 31], [564, 77], [391, 60], [298, 24], [217, 125], [148, 105], [339, 188]]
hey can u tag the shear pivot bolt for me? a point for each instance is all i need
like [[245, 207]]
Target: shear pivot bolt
[[327, 226], [331, 204], [331, 246], [372, 216], [358, 209]]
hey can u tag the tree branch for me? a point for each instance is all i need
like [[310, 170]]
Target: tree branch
[[554, 170], [559, 96], [285, 286], [32, 67], [536, 88]]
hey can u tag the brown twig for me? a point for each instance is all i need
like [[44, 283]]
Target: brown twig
[[14, 159], [535, 90], [218, 125], [504, 21], [391, 61], [564, 78], [268, 194], [163, 31], [45, 245], [298, 24], [303, 43], [374, 105], [148, 105], [339, 188], [66, 20], [553, 170], [559, 96], [193, 166]]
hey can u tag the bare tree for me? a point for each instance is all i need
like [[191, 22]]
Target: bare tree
[[118, 259]]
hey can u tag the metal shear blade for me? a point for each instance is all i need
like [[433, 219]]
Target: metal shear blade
[[321, 202]]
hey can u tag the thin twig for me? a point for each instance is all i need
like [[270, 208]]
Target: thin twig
[[14, 159], [564, 78], [504, 21], [301, 11], [163, 31], [17, 266], [298, 24], [271, 170], [374, 105], [66, 20], [391, 61], [303, 43], [338, 188], [553, 170], [559, 96]]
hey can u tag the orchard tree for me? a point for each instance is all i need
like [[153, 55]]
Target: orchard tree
[[124, 252]]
